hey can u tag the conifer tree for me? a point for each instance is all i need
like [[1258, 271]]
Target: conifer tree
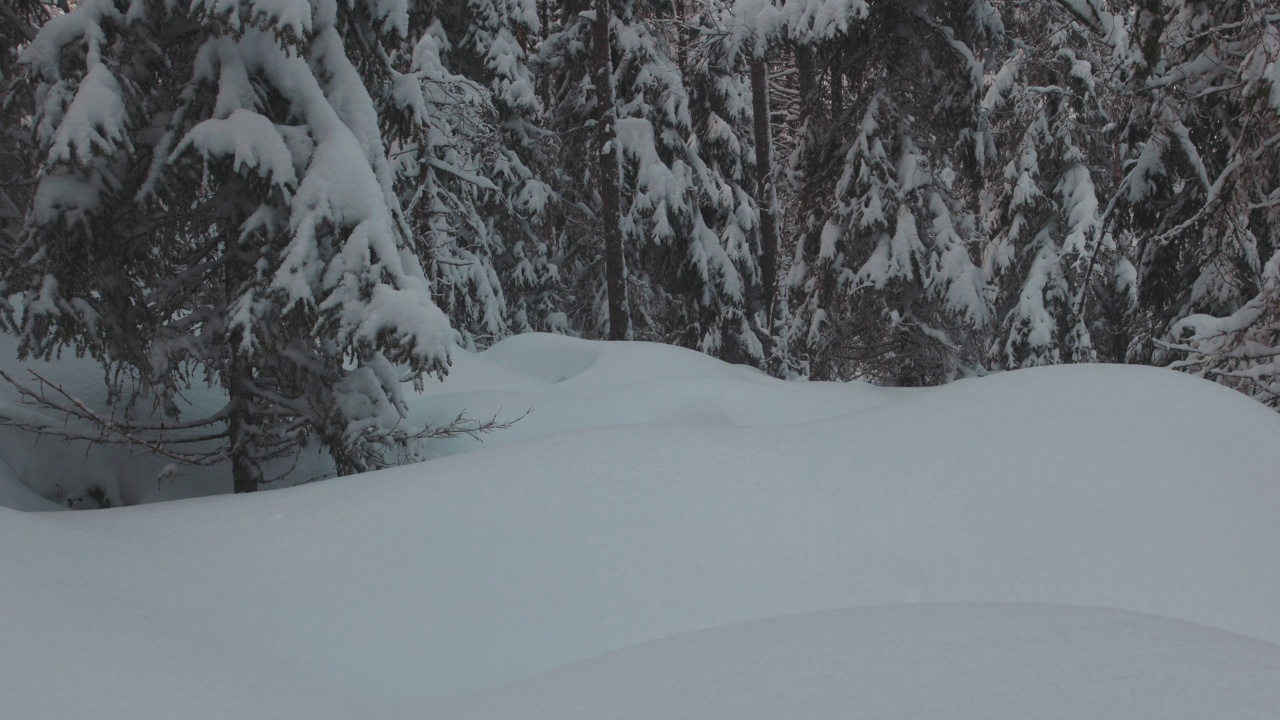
[[19, 21], [216, 205], [1202, 189], [887, 287], [468, 153], [436, 116], [1053, 260], [500, 42], [682, 281], [733, 107]]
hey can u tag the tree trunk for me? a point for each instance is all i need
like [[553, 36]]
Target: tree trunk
[[246, 467], [610, 198], [246, 471], [806, 76], [544, 79], [837, 84], [766, 196]]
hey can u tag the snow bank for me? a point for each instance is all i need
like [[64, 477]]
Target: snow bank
[[569, 384], [914, 662], [690, 495], [13, 494], [566, 384]]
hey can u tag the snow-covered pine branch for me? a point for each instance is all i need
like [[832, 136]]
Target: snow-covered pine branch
[[285, 272], [1199, 186]]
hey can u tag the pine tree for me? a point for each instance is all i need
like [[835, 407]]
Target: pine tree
[[732, 187], [731, 79], [1202, 189], [683, 268], [19, 21], [499, 42], [1053, 260], [216, 205], [885, 282], [468, 155], [437, 126]]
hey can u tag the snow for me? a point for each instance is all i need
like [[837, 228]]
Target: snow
[[94, 123], [44, 52], [654, 492], [250, 139], [978, 660], [894, 257], [292, 17], [954, 274], [15, 495], [61, 471]]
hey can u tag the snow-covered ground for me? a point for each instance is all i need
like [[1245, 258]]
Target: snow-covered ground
[[652, 493], [994, 661]]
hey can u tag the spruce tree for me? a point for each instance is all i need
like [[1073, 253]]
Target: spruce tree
[[19, 21], [1052, 257], [1201, 187], [216, 205], [884, 278], [680, 277], [468, 155], [499, 43]]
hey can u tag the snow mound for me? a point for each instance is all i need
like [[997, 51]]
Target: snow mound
[[47, 467], [15, 495], [654, 492], [914, 662], [566, 384], [1122, 487], [549, 358]]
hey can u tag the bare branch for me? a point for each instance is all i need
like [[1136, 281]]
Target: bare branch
[[109, 431], [462, 425]]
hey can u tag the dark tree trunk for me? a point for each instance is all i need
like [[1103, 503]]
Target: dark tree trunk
[[837, 84], [246, 465], [246, 470], [544, 79], [766, 197], [611, 203], [806, 75]]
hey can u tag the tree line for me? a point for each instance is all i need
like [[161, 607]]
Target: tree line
[[308, 202]]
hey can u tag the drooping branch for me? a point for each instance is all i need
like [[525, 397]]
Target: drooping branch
[[108, 430]]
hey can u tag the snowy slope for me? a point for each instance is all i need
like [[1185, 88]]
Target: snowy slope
[[985, 661], [569, 384], [563, 383], [374, 596]]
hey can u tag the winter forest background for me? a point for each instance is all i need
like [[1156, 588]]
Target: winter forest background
[[306, 203]]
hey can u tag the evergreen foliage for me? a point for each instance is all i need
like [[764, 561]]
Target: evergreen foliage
[[216, 204], [1202, 190], [685, 216], [886, 285], [1052, 259], [19, 21], [307, 203]]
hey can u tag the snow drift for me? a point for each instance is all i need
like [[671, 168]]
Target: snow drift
[[988, 661], [376, 595]]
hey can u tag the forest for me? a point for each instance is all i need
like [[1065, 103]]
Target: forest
[[635, 359], [309, 203]]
